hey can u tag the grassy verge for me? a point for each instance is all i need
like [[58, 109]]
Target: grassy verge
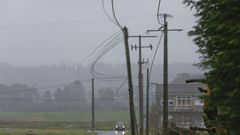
[[105, 120], [43, 132], [101, 116]]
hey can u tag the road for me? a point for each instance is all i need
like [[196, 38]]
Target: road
[[108, 133], [105, 132]]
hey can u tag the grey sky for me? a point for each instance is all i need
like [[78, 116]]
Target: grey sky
[[37, 32]]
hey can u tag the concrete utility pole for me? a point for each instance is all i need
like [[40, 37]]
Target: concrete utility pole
[[93, 107], [165, 71], [130, 84], [140, 78]]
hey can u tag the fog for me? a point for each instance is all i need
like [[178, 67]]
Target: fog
[[44, 32], [51, 49]]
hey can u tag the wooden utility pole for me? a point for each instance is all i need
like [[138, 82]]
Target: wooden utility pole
[[157, 100], [130, 84], [140, 78], [93, 107], [165, 76], [165, 70], [147, 104], [158, 103]]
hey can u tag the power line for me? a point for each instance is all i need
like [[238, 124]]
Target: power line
[[114, 15], [111, 44], [158, 12], [105, 11], [122, 84], [100, 45], [102, 52], [155, 53], [114, 20]]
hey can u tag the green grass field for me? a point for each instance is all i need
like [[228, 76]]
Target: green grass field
[[101, 116], [43, 132], [105, 120]]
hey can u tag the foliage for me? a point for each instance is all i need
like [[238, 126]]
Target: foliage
[[182, 77], [109, 99], [17, 97], [217, 34], [71, 97], [22, 98]]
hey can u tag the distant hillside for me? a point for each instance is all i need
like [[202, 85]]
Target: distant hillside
[[46, 75]]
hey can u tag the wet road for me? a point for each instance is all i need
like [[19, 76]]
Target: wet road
[[108, 133], [105, 133]]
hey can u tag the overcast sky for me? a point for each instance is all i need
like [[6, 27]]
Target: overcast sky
[[39, 32]]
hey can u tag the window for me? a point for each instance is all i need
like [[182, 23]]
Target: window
[[170, 102], [198, 102], [183, 101]]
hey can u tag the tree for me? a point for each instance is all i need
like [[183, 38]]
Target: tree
[[105, 99], [71, 97], [18, 97], [182, 77], [46, 104], [217, 34]]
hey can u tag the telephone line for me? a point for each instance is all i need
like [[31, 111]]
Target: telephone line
[[105, 11], [100, 45], [155, 53], [158, 12], [114, 15], [111, 44]]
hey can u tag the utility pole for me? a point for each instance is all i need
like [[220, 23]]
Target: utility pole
[[147, 104], [130, 84], [93, 107], [158, 103], [140, 78], [165, 76], [165, 71], [157, 100]]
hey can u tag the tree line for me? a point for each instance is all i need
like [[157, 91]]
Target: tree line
[[71, 97]]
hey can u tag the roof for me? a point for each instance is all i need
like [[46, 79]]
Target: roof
[[182, 89]]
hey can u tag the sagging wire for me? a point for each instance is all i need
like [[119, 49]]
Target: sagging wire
[[114, 19], [106, 13], [114, 15], [158, 12], [101, 52], [155, 53], [100, 45], [90, 55]]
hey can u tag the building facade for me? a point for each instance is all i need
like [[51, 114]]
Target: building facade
[[185, 108]]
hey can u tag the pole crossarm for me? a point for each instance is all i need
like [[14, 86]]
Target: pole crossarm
[[140, 78], [179, 30], [164, 28], [136, 47], [142, 36]]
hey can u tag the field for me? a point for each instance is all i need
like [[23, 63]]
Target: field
[[43, 132], [105, 120]]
